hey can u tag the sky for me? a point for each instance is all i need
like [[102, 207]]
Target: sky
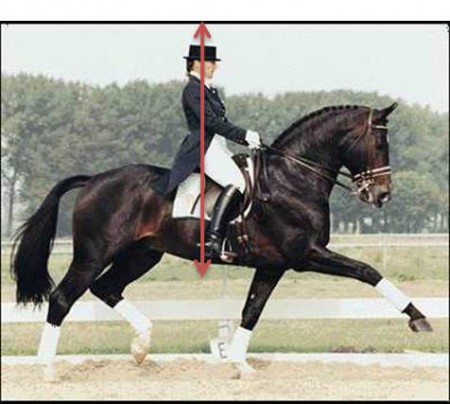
[[403, 61]]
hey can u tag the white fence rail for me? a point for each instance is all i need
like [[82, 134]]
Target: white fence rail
[[229, 309]]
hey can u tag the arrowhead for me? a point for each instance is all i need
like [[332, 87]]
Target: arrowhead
[[202, 266], [202, 30]]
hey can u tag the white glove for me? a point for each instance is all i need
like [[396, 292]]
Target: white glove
[[253, 139]]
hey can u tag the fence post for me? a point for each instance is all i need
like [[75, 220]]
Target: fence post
[[226, 326], [384, 255], [224, 282]]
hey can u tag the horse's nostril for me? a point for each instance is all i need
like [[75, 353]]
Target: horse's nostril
[[384, 197]]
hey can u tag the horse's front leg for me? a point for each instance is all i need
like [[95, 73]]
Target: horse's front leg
[[264, 282], [325, 261]]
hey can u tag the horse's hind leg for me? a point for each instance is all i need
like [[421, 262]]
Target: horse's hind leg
[[77, 280], [130, 265], [328, 262]]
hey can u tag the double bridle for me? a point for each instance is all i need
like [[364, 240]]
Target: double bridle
[[364, 180]]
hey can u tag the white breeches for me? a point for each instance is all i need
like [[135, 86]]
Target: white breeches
[[220, 166]]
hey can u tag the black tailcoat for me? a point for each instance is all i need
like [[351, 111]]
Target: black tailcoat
[[187, 159]]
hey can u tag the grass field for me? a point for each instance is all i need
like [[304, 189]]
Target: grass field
[[269, 336], [418, 271]]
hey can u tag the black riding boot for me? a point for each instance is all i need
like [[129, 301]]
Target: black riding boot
[[227, 206]]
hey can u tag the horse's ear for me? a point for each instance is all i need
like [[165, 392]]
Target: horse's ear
[[384, 113]]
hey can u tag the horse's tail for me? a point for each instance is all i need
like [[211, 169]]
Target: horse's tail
[[29, 265]]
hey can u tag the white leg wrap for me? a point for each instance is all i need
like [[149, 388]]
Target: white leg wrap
[[139, 322], [394, 295], [49, 343], [237, 350]]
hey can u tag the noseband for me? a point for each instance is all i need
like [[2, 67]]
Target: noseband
[[364, 180]]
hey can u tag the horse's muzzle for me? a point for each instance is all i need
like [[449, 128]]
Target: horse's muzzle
[[376, 195], [384, 197], [380, 197]]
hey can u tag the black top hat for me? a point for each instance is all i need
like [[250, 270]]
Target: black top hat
[[194, 53]]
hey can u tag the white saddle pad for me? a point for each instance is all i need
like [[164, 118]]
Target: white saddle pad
[[187, 195]]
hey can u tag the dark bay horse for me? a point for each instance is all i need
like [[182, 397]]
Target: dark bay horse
[[120, 220]]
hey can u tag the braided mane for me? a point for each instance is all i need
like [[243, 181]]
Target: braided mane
[[311, 119]]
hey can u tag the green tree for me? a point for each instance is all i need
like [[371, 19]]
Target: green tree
[[53, 129], [415, 203]]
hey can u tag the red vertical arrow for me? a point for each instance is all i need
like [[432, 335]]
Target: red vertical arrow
[[202, 266]]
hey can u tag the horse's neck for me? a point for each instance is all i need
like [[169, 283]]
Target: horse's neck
[[319, 145], [321, 149]]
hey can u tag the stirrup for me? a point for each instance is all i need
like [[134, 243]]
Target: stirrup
[[227, 256]]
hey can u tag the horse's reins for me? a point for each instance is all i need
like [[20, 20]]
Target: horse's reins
[[363, 180], [312, 166]]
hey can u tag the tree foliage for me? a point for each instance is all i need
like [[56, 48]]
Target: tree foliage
[[52, 129]]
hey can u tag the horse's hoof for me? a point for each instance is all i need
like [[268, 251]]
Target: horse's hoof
[[420, 325], [140, 347], [245, 370]]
